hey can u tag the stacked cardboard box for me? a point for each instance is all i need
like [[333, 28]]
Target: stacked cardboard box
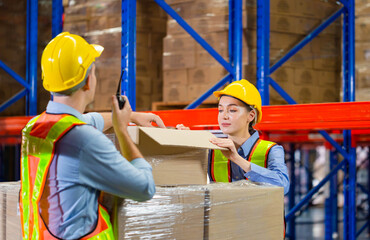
[[188, 69], [10, 221], [216, 211], [313, 74], [100, 22], [239, 210], [362, 50], [13, 37]]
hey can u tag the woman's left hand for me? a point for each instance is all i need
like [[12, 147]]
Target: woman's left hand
[[231, 153]]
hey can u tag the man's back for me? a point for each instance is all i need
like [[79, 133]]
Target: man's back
[[86, 162]]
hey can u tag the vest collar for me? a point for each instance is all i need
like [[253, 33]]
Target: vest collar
[[248, 144]]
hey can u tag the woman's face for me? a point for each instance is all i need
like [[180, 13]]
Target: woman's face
[[233, 116]]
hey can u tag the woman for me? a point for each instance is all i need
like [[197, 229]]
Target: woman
[[247, 157]]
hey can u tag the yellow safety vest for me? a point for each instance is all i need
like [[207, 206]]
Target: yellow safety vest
[[39, 138], [221, 166]]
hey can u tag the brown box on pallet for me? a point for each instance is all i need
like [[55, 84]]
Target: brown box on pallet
[[362, 53], [175, 85], [303, 58], [215, 211], [179, 43], [291, 24], [201, 8], [151, 24], [10, 220], [150, 8], [362, 77], [284, 41], [104, 22], [205, 75], [178, 60], [195, 91], [362, 28], [362, 8]]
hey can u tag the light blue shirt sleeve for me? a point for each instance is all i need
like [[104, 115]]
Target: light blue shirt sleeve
[[95, 119], [276, 172], [104, 168]]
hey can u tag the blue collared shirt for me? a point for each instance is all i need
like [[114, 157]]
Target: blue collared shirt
[[85, 163], [276, 172]]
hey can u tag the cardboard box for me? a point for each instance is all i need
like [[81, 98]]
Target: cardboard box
[[291, 24], [362, 53], [305, 77], [179, 44], [178, 60], [175, 85], [169, 150], [175, 93], [362, 77], [362, 28], [284, 41], [10, 220], [175, 77], [195, 91], [362, 8], [363, 94], [205, 75], [215, 211]]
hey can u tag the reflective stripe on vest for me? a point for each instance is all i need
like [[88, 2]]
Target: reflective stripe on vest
[[38, 145], [220, 165]]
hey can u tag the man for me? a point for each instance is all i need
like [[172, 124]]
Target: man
[[66, 159]]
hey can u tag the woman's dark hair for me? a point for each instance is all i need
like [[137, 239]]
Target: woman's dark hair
[[250, 127]]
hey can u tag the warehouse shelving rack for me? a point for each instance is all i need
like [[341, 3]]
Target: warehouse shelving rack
[[289, 123], [30, 82]]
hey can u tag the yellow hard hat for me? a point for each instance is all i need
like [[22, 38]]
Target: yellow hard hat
[[245, 92], [65, 61]]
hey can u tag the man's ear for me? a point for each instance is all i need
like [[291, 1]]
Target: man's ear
[[87, 85]]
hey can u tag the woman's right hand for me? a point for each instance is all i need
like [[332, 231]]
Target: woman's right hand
[[181, 127]]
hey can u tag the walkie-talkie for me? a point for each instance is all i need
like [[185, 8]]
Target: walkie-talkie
[[121, 100]]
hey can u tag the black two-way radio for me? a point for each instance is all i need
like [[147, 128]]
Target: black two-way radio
[[121, 100]]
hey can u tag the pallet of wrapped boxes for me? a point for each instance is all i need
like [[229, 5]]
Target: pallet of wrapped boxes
[[184, 206]]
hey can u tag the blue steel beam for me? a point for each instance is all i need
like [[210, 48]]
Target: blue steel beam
[[362, 229], [57, 21], [263, 49], [334, 144], [31, 65], [363, 189], [235, 23], [195, 35], [12, 100], [14, 75], [307, 39], [348, 62], [331, 204], [205, 95], [291, 222], [281, 91], [309, 195], [128, 51]]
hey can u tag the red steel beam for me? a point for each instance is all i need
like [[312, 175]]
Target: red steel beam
[[312, 117]]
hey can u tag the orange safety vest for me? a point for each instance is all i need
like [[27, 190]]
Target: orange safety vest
[[39, 138], [221, 166]]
